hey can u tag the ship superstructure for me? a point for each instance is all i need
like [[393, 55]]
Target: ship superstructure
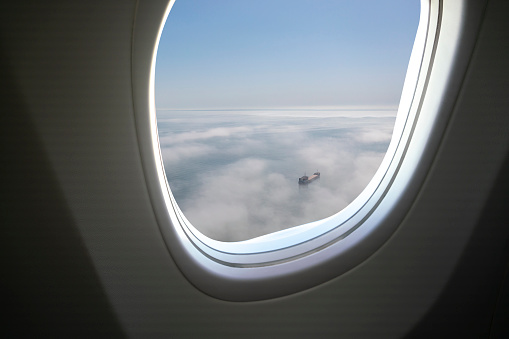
[[304, 180]]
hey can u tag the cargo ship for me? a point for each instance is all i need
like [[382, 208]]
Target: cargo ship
[[304, 180]]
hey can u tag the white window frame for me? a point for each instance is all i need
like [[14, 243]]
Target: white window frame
[[298, 258]]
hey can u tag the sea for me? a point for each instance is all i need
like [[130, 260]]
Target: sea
[[234, 173]]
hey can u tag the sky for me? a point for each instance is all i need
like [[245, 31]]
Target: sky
[[284, 53], [251, 95]]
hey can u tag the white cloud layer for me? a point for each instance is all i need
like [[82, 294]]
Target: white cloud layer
[[173, 155], [222, 132], [241, 182]]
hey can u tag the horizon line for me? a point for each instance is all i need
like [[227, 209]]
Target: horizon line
[[298, 108]]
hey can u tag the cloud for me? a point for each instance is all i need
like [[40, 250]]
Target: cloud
[[222, 132], [240, 201], [373, 135], [175, 155], [245, 180]]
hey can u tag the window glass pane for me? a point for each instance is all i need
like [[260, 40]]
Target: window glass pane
[[253, 95]]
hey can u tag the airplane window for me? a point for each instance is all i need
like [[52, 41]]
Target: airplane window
[[273, 114], [247, 99]]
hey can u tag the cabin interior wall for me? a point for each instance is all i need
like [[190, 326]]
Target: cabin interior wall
[[81, 249]]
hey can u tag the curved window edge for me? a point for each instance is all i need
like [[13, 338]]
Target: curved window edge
[[295, 259]]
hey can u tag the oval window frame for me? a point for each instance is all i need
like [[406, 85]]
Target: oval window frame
[[298, 258]]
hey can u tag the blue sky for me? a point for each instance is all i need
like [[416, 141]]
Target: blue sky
[[284, 53]]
